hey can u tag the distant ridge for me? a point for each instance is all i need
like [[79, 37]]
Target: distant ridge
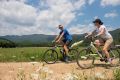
[[38, 38]]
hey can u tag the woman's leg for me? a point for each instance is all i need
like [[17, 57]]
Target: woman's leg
[[106, 47]]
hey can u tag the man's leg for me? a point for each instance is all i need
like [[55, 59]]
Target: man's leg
[[66, 45], [66, 49]]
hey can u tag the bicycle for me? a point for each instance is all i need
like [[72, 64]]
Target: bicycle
[[87, 56], [51, 55]]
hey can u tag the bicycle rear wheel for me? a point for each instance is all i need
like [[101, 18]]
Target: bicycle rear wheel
[[50, 56], [115, 55], [85, 59]]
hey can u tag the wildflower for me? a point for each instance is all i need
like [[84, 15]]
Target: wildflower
[[14, 56], [33, 63], [99, 75], [35, 76], [70, 76]]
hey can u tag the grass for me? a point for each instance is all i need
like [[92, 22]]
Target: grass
[[21, 54], [117, 74]]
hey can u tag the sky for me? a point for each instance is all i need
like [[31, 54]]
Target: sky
[[25, 17]]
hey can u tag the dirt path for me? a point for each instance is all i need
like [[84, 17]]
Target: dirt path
[[11, 71]]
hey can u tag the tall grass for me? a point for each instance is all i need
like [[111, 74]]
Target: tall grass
[[117, 74]]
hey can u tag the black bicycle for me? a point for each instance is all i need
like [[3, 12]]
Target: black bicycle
[[51, 55], [87, 56]]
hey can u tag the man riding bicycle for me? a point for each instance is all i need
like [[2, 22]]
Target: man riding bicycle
[[105, 38], [65, 39]]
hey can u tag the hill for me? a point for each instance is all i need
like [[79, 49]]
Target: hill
[[41, 39]]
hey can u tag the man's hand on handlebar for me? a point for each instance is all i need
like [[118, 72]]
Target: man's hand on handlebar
[[58, 41], [55, 41]]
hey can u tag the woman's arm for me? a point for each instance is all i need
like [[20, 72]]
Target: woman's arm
[[102, 31]]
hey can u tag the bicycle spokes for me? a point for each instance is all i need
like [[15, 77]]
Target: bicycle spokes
[[84, 59]]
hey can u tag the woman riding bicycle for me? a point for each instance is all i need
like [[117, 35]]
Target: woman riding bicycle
[[65, 39], [105, 38]]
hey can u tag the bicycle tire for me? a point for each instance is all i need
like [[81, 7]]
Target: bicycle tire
[[53, 56], [83, 57]]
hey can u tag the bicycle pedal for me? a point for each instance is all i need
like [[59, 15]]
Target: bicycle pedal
[[106, 61], [102, 60]]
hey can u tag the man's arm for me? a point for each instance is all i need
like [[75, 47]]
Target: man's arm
[[57, 37], [60, 37]]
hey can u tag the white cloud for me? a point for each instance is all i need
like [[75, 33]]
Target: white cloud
[[112, 15], [110, 2], [80, 29], [14, 15], [80, 14], [19, 18], [91, 2], [96, 17], [79, 4], [14, 0]]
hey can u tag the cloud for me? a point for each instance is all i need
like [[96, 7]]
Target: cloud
[[111, 15], [110, 2], [14, 0], [16, 17], [19, 18], [91, 2], [80, 14], [79, 4], [96, 17], [80, 29]]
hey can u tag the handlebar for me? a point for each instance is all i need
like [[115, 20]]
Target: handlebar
[[90, 37], [55, 44]]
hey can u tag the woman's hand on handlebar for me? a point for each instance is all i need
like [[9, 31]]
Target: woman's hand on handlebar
[[87, 35]]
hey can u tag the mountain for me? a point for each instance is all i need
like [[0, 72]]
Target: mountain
[[34, 38], [116, 35], [41, 38]]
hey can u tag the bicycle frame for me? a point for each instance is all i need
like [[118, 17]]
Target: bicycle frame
[[93, 46], [57, 47]]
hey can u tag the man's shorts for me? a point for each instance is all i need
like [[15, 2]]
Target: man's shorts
[[67, 42]]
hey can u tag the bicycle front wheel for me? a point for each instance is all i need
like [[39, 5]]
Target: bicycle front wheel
[[50, 56], [85, 59]]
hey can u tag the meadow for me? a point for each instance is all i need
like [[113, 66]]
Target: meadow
[[23, 54]]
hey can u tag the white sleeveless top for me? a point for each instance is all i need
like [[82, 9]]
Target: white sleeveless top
[[106, 35]]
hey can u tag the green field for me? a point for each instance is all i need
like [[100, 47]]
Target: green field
[[21, 54]]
